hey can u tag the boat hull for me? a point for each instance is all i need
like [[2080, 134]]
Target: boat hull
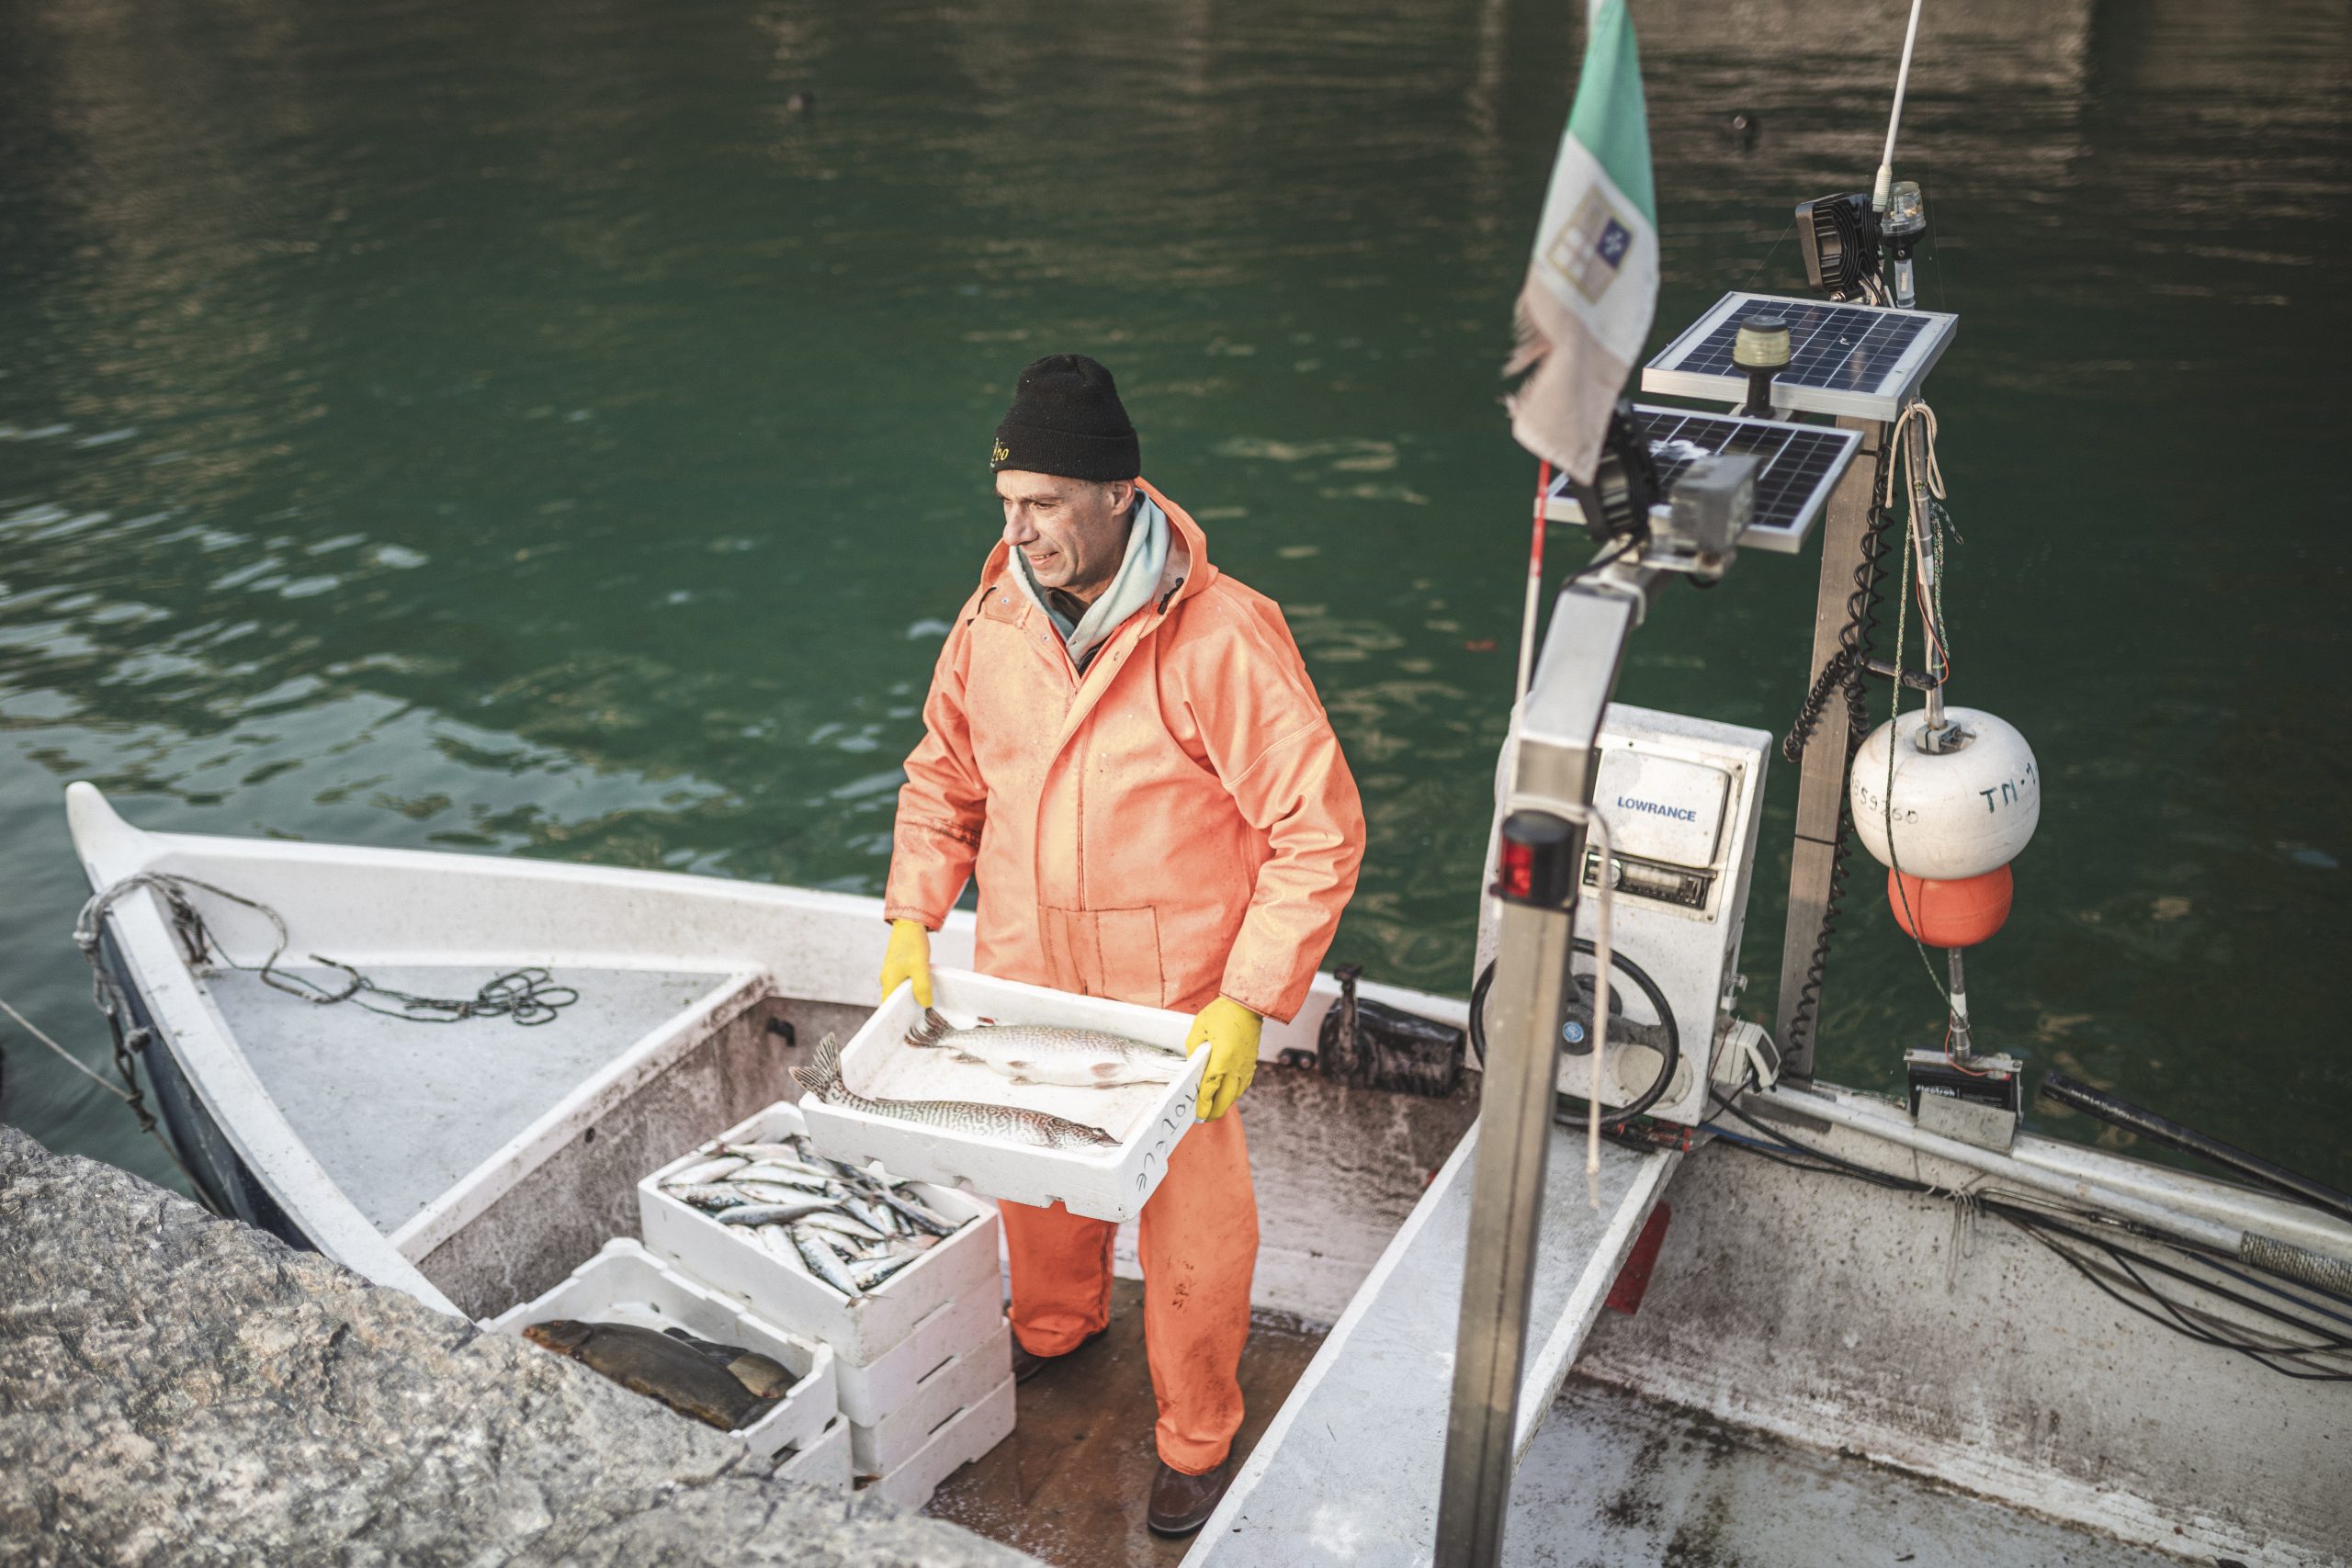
[[226, 1184]]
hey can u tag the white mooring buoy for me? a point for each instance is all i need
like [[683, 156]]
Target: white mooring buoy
[[1954, 814]]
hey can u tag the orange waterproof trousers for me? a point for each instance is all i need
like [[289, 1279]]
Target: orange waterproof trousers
[[1198, 1238]]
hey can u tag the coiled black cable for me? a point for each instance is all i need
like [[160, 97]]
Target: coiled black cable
[[1857, 641]]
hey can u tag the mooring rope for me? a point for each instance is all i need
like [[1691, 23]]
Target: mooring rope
[[131, 1096]]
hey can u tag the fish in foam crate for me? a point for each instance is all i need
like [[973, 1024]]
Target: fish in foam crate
[[868, 1331], [1146, 1119], [625, 1283]]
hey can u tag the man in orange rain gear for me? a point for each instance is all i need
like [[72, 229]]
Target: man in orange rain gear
[[1125, 749]]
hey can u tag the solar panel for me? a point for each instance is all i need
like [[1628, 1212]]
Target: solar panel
[[1857, 360], [1801, 465]]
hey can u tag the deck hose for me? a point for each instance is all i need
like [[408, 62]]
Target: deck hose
[[2288, 1261]]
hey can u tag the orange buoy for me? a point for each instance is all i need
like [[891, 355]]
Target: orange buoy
[[1959, 913]]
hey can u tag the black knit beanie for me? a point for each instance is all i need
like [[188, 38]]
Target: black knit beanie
[[1067, 419]]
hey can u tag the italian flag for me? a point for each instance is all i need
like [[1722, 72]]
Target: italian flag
[[1592, 285]]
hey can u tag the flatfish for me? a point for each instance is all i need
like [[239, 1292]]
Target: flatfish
[[763, 1375], [1008, 1124], [688, 1381], [1037, 1052]]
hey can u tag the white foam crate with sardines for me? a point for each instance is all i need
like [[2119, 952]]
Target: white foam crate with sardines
[[862, 1325], [1106, 1171], [626, 1284], [944, 1392]]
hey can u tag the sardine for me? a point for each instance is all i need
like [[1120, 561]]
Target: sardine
[[761, 1151], [656, 1366], [708, 1170], [875, 1270], [1036, 1052], [778, 1193], [709, 1195], [824, 1262], [841, 1225], [1007, 1123], [786, 1173], [915, 1214], [797, 1165], [866, 1215], [777, 1243], [773, 1213]]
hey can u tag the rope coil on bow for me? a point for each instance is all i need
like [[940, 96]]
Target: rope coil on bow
[[528, 996]]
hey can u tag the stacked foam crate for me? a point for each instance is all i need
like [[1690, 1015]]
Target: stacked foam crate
[[626, 1283], [922, 1361]]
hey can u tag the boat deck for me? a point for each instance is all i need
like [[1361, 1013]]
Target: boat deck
[[348, 1080], [1068, 1485], [1613, 1481]]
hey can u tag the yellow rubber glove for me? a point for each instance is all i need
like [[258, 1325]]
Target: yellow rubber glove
[[907, 958], [1230, 1032]]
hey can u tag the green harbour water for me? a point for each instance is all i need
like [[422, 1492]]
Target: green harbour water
[[541, 431]]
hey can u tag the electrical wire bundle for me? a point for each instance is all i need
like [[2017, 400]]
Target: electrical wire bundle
[[2305, 1332]]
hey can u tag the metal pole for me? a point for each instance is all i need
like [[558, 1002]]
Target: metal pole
[[1963, 1047], [1559, 729], [1499, 1268], [1821, 776], [1915, 453]]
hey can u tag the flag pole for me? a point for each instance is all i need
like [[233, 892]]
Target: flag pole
[[1535, 586]]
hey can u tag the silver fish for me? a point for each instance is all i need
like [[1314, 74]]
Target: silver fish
[[841, 1225], [777, 1192], [777, 1243], [875, 1270], [712, 1195], [868, 1214], [791, 1175], [1036, 1052], [823, 1261], [909, 1208], [761, 1151], [1007, 1123], [708, 1170], [773, 1213]]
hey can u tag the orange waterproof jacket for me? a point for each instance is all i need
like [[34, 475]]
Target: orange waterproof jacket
[[1175, 823]]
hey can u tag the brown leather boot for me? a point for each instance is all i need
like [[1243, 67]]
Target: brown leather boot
[[1027, 1364], [1182, 1503]]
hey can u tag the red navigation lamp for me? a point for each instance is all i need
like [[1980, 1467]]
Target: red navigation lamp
[[1534, 863]]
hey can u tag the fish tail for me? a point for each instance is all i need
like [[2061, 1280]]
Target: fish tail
[[930, 1029], [823, 1073]]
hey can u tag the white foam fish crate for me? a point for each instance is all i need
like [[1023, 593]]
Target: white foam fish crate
[[822, 1461], [1106, 1184], [942, 1394], [869, 1395], [626, 1283], [957, 1442], [862, 1329]]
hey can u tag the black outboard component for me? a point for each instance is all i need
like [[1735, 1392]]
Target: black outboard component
[[1373, 1045]]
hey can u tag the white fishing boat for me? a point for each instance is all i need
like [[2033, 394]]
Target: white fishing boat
[[1821, 1370]]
